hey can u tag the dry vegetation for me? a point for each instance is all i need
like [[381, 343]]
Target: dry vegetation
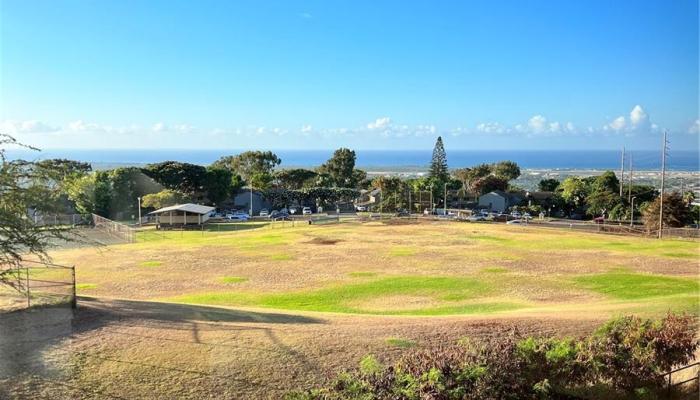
[[300, 304]]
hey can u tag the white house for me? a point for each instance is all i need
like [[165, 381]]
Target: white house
[[182, 215]]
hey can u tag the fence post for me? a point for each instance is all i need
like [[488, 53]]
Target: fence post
[[74, 300], [29, 301]]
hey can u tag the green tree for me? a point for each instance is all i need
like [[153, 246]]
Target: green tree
[[604, 194], [438, 164], [574, 190], [164, 198], [60, 169], [340, 168], [183, 177], [261, 181], [295, 178], [490, 183], [249, 163], [21, 189], [507, 170], [548, 185], [220, 184], [394, 192]]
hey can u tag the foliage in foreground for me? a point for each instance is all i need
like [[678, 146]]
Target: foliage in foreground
[[623, 359]]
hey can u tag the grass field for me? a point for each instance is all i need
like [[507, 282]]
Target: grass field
[[429, 268], [250, 311]]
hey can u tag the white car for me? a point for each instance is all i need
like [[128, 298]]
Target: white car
[[306, 211], [515, 222], [264, 213], [360, 208], [293, 210], [476, 218]]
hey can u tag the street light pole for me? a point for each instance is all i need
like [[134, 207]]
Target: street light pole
[[445, 199], [139, 200], [251, 201], [632, 210]]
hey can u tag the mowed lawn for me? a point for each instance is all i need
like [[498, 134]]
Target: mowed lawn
[[389, 268]]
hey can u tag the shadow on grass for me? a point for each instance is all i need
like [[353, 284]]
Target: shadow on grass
[[27, 336]]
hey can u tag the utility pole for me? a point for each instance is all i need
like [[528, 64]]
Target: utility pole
[[664, 148], [622, 171], [445, 199], [632, 211], [629, 187], [432, 205], [251, 201], [410, 206], [139, 199]]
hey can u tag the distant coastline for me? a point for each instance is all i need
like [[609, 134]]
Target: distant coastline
[[396, 161]]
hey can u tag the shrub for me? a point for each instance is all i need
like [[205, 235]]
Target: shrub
[[624, 358]]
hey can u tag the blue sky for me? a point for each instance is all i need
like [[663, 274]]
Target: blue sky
[[530, 74]]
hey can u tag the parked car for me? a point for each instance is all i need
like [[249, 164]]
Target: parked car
[[238, 216], [476, 218], [306, 211], [360, 208], [264, 213], [402, 213], [515, 222], [293, 210]]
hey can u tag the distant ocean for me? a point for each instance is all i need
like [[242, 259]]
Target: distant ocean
[[389, 159]]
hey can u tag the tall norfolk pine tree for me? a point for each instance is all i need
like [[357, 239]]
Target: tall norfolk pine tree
[[438, 165]]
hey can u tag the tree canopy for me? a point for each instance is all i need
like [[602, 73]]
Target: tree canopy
[[548, 185], [22, 188], [438, 163], [340, 168], [249, 164]]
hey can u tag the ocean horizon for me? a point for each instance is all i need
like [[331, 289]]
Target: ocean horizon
[[678, 160]]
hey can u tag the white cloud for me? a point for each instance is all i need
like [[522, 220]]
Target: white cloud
[[490, 127], [638, 116], [570, 127], [306, 129], [161, 127], [13, 127], [379, 123], [555, 127], [695, 127], [537, 124], [617, 124], [637, 122]]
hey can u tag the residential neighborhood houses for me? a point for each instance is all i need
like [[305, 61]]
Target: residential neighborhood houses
[[255, 183]]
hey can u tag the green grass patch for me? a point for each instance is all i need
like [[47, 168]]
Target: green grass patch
[[401, 343], [85, 286], [151, 263], [232, 279], [345, 298], [629, 286], [362, 274], [402, 251]]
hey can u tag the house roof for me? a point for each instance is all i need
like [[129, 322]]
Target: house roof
[[188, 207]]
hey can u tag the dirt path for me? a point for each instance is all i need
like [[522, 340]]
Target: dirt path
[[143, 350]]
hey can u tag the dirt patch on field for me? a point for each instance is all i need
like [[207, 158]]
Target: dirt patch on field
[[324, 241]]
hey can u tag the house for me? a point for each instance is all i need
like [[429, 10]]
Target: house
[[243, 198], [182, 215], [368, 198], [499, 200]]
